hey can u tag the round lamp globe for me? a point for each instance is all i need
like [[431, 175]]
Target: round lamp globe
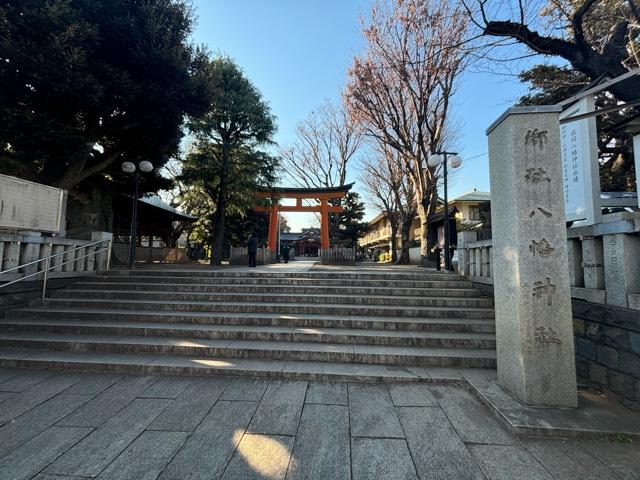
[[145, 166], [128, 167], [455, 161], [434, 160]]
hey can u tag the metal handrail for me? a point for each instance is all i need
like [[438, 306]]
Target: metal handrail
[[48, 266]]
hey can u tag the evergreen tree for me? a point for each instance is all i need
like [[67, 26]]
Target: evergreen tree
[[225, 163], [88, 84], [85, 84], [350, 224]]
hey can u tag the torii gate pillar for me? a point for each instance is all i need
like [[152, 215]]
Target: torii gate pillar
[[324, 224], [273, 227]]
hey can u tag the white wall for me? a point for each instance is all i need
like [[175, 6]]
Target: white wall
[[414, 255]]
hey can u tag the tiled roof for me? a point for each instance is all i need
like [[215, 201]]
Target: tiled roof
[[473, 196], [155, 201]]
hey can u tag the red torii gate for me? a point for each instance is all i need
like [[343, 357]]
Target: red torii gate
[[322, 195]]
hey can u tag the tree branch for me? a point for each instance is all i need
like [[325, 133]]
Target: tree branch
[[615, 48], [98, 167], [535, 41], [576, 21]]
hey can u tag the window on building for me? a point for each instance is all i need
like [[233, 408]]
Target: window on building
[[474, 213]]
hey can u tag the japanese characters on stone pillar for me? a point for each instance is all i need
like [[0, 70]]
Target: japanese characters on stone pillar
[[534, 329]]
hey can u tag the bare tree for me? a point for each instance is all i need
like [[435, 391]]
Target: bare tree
[[386, 177], [597, 37], [381, 190], [327, 141], [405, 196], [399, 90]]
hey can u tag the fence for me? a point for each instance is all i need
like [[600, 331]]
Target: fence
[[149, 254], [337, 256], [240, 256], [604, 260], [475, 257], [18, 250]]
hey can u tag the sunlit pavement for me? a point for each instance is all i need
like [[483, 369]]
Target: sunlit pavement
[[63, 425], [300, 264]]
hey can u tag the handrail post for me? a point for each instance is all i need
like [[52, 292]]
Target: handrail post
[[46, 276], [110, 245]]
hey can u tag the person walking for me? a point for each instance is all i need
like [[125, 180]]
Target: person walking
[[285, 252], [252, 249]]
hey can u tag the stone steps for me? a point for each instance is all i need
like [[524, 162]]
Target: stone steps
[[333, 275], [282, 308], [287, 351], [265, 288], [337, 324], [255, 333], [261, 319], [282, 282], [181, 365], [276, 298]]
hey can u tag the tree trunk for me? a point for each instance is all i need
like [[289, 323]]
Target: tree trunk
[[89, 210], [221, 210], [405, 232], [218, 233], [71, 175], [423, 213], [394, 242]]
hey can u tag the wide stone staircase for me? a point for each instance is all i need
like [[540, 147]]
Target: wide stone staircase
[[313, 324]]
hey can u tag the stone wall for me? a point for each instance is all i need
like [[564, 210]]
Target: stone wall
[[607, 342], [24, 293], [604, 273], [608, 348]]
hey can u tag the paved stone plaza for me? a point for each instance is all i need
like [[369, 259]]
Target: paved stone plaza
[[67, 425]]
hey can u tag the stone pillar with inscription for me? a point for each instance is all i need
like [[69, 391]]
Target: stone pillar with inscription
[[534, 329], [621, 267], [593, 262]]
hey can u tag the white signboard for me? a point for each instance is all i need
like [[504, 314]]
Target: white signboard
[[580, 164], [31, 206]]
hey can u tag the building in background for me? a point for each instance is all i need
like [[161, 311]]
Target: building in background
[[303, 244], [470, 210], [471, 207], [158, 236]]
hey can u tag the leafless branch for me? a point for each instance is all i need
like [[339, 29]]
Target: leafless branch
[[399, 89], [327, 141]]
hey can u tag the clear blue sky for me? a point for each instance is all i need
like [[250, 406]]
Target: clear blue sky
[[297, 53]]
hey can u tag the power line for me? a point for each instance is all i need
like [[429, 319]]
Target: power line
[[476, 156]]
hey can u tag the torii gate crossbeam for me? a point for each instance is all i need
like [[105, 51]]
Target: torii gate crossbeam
[[321, 195]]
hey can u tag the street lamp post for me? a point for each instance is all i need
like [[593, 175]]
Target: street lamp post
[[130, 167], [454, 160]]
